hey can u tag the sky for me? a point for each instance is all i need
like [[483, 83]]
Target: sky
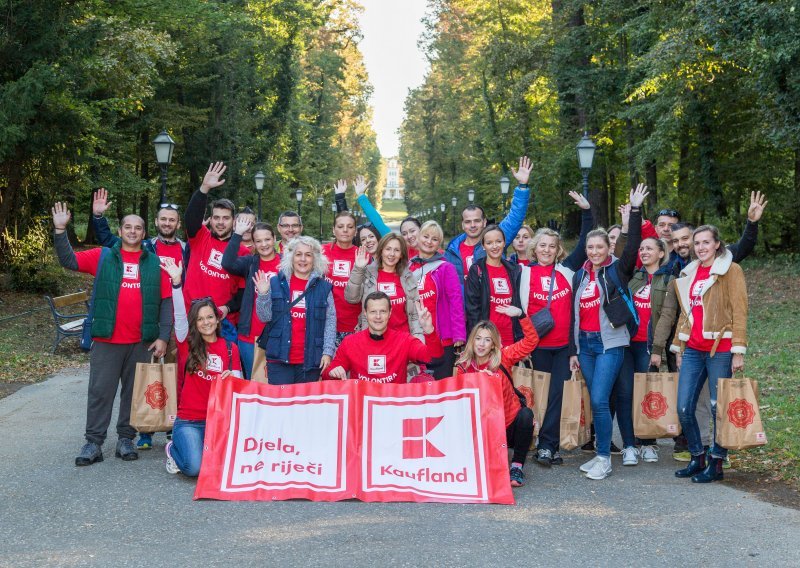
[[391, 29]]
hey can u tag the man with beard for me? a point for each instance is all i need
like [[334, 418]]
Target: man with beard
[[205, 276], [290, 225]]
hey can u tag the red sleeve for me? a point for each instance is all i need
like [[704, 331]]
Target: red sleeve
[[425, 352], [648, 231], [236, 359], [513, 354], [243, 251], [340, 359], [88, 260]]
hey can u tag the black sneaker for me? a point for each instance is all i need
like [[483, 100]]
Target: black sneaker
[[588, 446], [681, 444], [125, 450], [517, 477], [615, 449], [90, 453], [557, 459], [544, 457]]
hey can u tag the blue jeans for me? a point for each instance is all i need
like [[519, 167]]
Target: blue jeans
[[187, 445], [247, 354], [600, 368], [695, 368], [285, 374], [636, 360]]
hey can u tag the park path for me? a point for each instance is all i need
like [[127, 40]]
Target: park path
[[136, 514]]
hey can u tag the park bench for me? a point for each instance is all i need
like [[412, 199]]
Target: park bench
[[68, 324]]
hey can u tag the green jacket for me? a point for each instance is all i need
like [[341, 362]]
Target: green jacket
[[107, 285], [662, 280]]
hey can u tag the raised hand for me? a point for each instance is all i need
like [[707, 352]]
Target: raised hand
[[360, 185], [638, 195], [340, 187], [425, 318], [580, 200], [175, 271], [61, 216], [261, 282], [757, 205], [243, 224], [524, 172], [625, 215], [362, 257], [338, 373], [100, 202], [509, 310], [212, 178]]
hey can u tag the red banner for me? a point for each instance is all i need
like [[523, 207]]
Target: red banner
[[440, 441]]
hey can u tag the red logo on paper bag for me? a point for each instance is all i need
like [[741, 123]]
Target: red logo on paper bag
[[741, 413], [583, 414], [156, 396], [528, 394], [654, 405], [415, 438]]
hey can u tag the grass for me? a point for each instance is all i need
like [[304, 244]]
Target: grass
[[393, 211]]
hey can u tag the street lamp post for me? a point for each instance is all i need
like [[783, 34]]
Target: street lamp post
[[586, 150], [164, 145], [442, 208], [454, 202], [298, 194], [470, 195], [259, 177], [505, 183], [320, 202]]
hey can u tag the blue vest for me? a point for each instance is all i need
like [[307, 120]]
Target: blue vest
[[277, 336]]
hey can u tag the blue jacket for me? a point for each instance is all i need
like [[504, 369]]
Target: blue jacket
[[510, 227], [276, 339]]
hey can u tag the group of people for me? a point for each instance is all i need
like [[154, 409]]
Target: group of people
[[238, 299]]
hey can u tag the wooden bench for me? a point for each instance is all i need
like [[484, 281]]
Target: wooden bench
[[68, 324]]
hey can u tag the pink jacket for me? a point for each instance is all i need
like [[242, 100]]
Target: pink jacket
[[450, 320]]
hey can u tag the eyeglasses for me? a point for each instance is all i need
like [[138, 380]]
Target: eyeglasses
[[172, 206], [668, 213], [292, 226], [201, 300]]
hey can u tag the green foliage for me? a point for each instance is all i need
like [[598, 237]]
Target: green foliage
[[30, 262]]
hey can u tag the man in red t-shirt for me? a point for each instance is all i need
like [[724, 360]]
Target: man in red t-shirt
[[382, 355], [127, 321]]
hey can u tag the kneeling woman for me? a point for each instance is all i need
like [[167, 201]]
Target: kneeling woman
[[206, 356], [484, 353]]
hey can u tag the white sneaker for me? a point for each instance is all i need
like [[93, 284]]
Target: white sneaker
[[630, 455], [601, 468], [650, 454], [588, 465], [171, 466]]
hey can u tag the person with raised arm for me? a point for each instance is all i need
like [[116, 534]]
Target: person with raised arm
[[205, 357], [127, 320], [264, 260], [341, 255], [466, 248], [379, 353], [597, 343]]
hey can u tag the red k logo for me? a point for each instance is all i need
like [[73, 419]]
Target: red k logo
[[415, 438]]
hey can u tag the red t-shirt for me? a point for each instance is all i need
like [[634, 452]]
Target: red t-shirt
[[589, 305], [560, 306], [500, 295], [696, 339], [193, 398], [641, 300], [271, 268], [412, 252], [128, 319], [384, 360], [340, 264], [205, 275], [173, 251], [390, 284], [467, 253], [298, 312]]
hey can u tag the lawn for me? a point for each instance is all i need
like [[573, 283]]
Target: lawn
[[393, 211]]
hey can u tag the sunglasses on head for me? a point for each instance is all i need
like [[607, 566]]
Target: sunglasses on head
[[172, 206], [669, 213], [200, 300]]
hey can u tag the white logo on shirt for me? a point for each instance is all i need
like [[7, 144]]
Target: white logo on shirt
[[501, 286], [546, 283], [387, 288], [469, 261], [376, 364], [215, 258], [589, 291], [130, 271], [341, 268], [214, 363], [643, 292], [421, 285], [699, 286], [296, 294]]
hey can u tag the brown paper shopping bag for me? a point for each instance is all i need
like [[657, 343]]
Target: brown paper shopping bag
[[541, 391], [655, 405], [739, 423], [576, 413], [155, 400], [258, 374]]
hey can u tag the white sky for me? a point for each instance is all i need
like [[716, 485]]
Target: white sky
[[391, 29]]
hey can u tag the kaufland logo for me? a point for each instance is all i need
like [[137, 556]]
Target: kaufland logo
[[416, 444]]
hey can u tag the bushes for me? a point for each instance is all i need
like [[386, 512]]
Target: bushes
[[31, 263]]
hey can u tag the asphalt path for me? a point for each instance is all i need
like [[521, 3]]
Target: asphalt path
[[136, 514]]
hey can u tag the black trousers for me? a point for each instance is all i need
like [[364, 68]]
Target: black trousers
[[520, 434], [442, 367], [556, 362]]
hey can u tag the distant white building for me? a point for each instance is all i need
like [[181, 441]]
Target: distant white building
[[394, 189]]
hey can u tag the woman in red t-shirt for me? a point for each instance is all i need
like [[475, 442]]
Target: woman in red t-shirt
[[205, 357], [712, 335], [483, 353], [341, 256], [520, 245]]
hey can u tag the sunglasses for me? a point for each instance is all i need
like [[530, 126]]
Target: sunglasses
[[200, 300], [669, 213], [172, 206]]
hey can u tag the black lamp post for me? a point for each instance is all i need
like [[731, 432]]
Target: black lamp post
[[164, 145], [586, 150], [505, 183], [259, 177], [320, 202], [454, 202], [298, 194]]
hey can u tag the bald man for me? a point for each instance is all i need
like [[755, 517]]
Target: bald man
[[127, 320]]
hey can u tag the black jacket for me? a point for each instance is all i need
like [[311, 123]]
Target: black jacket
[[477, 290]]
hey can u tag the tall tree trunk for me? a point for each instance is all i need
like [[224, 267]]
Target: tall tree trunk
[[708, 160], [652, 186], [13, 170]]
